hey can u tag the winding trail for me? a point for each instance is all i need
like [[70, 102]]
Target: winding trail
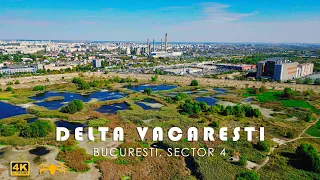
[[266, 160]]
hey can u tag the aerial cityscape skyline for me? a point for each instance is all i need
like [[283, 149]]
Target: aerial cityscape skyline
[[188, 21]]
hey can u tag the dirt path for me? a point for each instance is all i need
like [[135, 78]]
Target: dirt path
[[266, 160]]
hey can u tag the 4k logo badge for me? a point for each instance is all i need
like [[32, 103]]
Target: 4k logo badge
[[20, 168]]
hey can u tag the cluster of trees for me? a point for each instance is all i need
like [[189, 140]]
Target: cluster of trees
[[82, 84], [309, 157], [238, 110], [254, 90], [194, 107], [39, 88], [308, 81], [160, 72], [178, 97], [36, 129], [18, 57], [254, 59], [72, 107], [7, 130]]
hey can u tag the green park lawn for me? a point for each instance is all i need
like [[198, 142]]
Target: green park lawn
[[314, 130], [275, 96]]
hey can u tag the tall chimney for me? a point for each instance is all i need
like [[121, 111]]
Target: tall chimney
[[153, 46], [166, 42], [161, 45]]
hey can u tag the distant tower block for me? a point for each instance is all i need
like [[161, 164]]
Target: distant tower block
[[161, 45], [153, 49], [148, 46], [166, 42]]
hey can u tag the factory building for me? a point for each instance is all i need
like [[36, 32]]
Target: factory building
[[9, 70], [163, 54], [239, 67], [283, 70], [305, 69], [96, 63]]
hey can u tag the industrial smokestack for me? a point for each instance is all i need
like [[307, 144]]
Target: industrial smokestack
[[153, 46], [166, 42], [161, 45]]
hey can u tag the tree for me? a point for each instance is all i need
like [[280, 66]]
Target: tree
[[254, 91], [263, 146], [9, 88], [154, 78], [308, 118], [288, 93], [247, 175], [243, 161], [194, 83], [309, 157], [204, 106], [307, 81], [38, 88], [147, 91], [263, 89], [17, 82]]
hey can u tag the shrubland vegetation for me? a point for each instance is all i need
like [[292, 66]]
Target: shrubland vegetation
[[37, 129], [194, 83], [72, 107], [309, 156], [39, 88], [173, 113]]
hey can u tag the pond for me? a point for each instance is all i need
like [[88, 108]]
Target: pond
[[8, 110], [69, 125], [149, 104], [220, 90], [31, 120], [209, 100], [69, 96], [161, 87], [112, 108], [248, 100], [39, 151]]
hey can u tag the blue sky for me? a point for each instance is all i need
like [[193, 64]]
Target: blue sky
[[137, 20]]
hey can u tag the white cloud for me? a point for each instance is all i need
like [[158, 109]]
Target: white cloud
[[220, 13]]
